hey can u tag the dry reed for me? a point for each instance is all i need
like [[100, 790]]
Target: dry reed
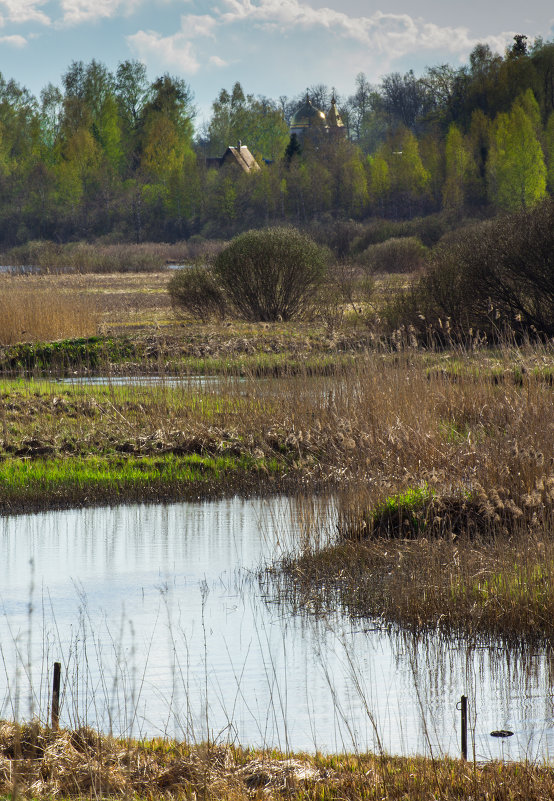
[[39, 313]]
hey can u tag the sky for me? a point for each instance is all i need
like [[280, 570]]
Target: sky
[[273, 47]]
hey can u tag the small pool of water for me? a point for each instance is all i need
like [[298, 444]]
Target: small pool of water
[[148, 380], [156, 615], [18, 270]]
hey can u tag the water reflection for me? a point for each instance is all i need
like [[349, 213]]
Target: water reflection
[[156, 615]]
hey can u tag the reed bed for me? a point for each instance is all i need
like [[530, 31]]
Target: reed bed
[[478, 590], [36, 762], [40, 313]]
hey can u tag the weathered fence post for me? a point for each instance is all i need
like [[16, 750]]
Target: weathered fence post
[[463, 710], [56, 696]]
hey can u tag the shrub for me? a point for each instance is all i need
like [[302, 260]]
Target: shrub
[[194, 290], [395, 256], [495, 277], [271, 274]]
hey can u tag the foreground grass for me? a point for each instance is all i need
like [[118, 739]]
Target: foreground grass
[[38, 763]]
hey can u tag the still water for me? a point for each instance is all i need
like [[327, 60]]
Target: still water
[[156, 615]]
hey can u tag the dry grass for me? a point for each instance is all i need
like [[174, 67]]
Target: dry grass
[[37, 312], [118, 301], [384, 426], [139, 302], [38, 763]]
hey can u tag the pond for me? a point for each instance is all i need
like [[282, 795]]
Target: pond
[[157, 617]]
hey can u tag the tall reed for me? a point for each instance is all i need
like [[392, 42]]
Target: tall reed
[[39, 313]]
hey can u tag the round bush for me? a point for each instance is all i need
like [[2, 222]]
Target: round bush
[[194, 290], [271, 274], [397, 255]]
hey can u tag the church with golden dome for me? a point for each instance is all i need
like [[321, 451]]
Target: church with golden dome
[[311, 121]]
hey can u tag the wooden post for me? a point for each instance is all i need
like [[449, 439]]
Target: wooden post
[[463, 710], [56, 696]]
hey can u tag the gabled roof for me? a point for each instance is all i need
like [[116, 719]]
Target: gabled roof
[[242, 156]]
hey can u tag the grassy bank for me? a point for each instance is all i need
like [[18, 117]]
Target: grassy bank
[[39, 763], [42, 483], [476, 589], [384, 424]]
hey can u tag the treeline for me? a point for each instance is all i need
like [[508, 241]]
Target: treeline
[[115, 156]]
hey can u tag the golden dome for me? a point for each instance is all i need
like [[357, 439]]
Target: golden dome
[[307, 115]]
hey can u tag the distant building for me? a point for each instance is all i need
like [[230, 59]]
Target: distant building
[[238, 156], [312, 122]]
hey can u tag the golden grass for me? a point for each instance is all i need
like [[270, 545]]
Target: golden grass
[[37, 312], [38, 763]]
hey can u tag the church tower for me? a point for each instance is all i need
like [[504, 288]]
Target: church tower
[[334, 121]]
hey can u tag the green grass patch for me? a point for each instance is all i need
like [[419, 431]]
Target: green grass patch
[[43, 483]]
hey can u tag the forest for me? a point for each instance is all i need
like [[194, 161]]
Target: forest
[[114, 157]]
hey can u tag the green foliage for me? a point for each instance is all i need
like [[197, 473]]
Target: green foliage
[[459, 170], [256, 121], [516, 168], [114, 154], [271, 274], [63, 355], [549, 147], [194, 290]]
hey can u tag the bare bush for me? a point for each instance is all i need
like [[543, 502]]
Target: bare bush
[[194, 290], [271, 274], [495, 277], [406, 255]]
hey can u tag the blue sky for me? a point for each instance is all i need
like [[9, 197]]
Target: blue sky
[[274, 47]]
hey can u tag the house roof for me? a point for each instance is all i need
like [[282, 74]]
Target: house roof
[[242, 156]]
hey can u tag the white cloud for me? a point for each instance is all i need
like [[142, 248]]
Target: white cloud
[[24, 11], [75, 12], [177, 49], [193, 25], [174, 51], [14, 41], [393, 34], [384, 37]]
